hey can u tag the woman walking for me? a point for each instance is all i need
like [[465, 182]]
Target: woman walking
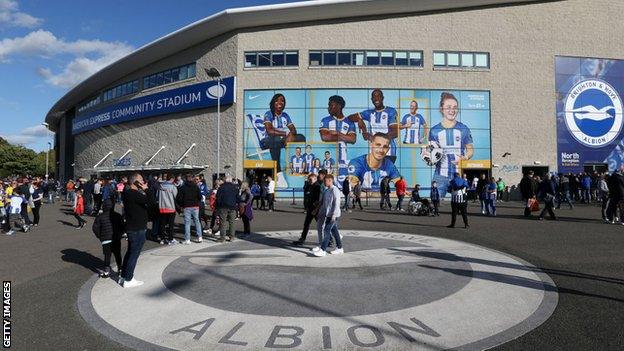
[[37, 198], [245, 201], [546, 192], [79, 209]]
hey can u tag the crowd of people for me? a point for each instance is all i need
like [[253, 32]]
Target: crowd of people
[[21, 197]]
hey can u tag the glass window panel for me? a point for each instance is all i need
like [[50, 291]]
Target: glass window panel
[[183, 73], [482, 60], [452, 59], [277, 58], [135, 86], [264, 59], [175, 74], [251, 59], [160, 78], [123, 90], [400, 58], [191, 70], [152, 80], [387, 58], [439, 59], [415, 58], [315, 58], [329, 58], [372, 58], [292, 58], [357, 58], [167, 75], [344, 58], [467, 59]]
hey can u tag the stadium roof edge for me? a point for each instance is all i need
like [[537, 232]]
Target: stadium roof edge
[[248, 17]]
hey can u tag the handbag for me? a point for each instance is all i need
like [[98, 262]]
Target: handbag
[[534, 205]]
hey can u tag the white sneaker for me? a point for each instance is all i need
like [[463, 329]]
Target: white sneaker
[[315, 249], [207, 231], [132, 283], [186, 242], [341, 236], [199, 239], [320, 253], [337, 252], [172, 242], [217, 233], [10, 232]]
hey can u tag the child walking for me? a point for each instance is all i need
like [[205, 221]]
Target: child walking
[[79, 209], [108, 227]]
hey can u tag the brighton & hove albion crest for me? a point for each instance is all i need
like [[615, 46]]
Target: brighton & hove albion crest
[[593, 113]]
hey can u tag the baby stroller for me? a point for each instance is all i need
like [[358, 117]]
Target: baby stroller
[[424, 207]]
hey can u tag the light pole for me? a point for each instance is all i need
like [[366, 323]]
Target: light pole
[[47, 174], [214, 73]]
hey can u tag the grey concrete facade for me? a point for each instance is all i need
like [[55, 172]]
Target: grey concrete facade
[[522, 41]]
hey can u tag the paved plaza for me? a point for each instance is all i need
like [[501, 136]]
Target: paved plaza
[[403, 283]]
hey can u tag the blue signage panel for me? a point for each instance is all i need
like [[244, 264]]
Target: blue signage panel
[[589, 112], [187, 98]]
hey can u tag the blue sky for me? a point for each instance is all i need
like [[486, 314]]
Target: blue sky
[[46, 47]]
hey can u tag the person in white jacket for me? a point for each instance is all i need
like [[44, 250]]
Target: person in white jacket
[[328, 215]]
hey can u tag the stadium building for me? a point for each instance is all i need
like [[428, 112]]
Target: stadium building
[[365, 89]]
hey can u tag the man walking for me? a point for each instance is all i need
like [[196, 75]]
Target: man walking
[[357, 194], [311, 198], [401, 188], [458, 187], [527, 189], [271, 193], [384, 192], [227, 206], [328, 215], [135, 203], [188, 198], [346, 191]]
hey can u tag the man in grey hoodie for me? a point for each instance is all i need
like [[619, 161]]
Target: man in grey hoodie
[[328, 216], [167, 193]]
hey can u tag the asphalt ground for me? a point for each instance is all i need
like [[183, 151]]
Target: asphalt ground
[[584, 257]]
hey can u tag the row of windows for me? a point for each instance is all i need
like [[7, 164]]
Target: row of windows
[[169, 76], [461, 59], [271, 59], [121, 90], [89, 103], [365, 58], [153, 80]]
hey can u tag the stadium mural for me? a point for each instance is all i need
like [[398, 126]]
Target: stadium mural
[[368, 134], [589, 112]]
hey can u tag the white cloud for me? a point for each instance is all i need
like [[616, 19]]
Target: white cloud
[[28, 135], [11, 16], [89, 55]]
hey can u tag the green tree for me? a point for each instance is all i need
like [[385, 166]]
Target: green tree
[[17, 160]]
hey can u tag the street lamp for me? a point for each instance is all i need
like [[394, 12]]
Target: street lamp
[[45, 124], [214, 74]]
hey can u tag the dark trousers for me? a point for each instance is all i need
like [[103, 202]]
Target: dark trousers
[[276, 144], [136, 239], [385, 201], [202, 212], [228, 215], [246, 224], [114, 247], [35, 211], [24, 213], [97, 203], [399, 204], [461, 208], [612, 208], [357, 200], [527, 209], [549, 207], [306, 224], [79, 218], [88, 203], [603, 208], [271, 201], [213, 220], [436, 206], [167, 220], [256, 199]]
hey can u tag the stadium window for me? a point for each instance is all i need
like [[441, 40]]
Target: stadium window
[[167, 78], [415, 58], [175, 74], [400, 58], [183, 73], [439, 59], [277, 58], [387, 58], [251, 59], [482, 60], [329, 58], [467, 59], [315, 58], [264, 59], [191, 71], [452, 59], [357, 58], [344, 58], [292, 58], [372, 58]]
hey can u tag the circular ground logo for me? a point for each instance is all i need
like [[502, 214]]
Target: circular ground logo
[[593, 112], [388, 291]]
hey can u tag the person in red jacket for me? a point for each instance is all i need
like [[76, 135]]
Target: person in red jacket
[[79, 209], [401, 188]]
